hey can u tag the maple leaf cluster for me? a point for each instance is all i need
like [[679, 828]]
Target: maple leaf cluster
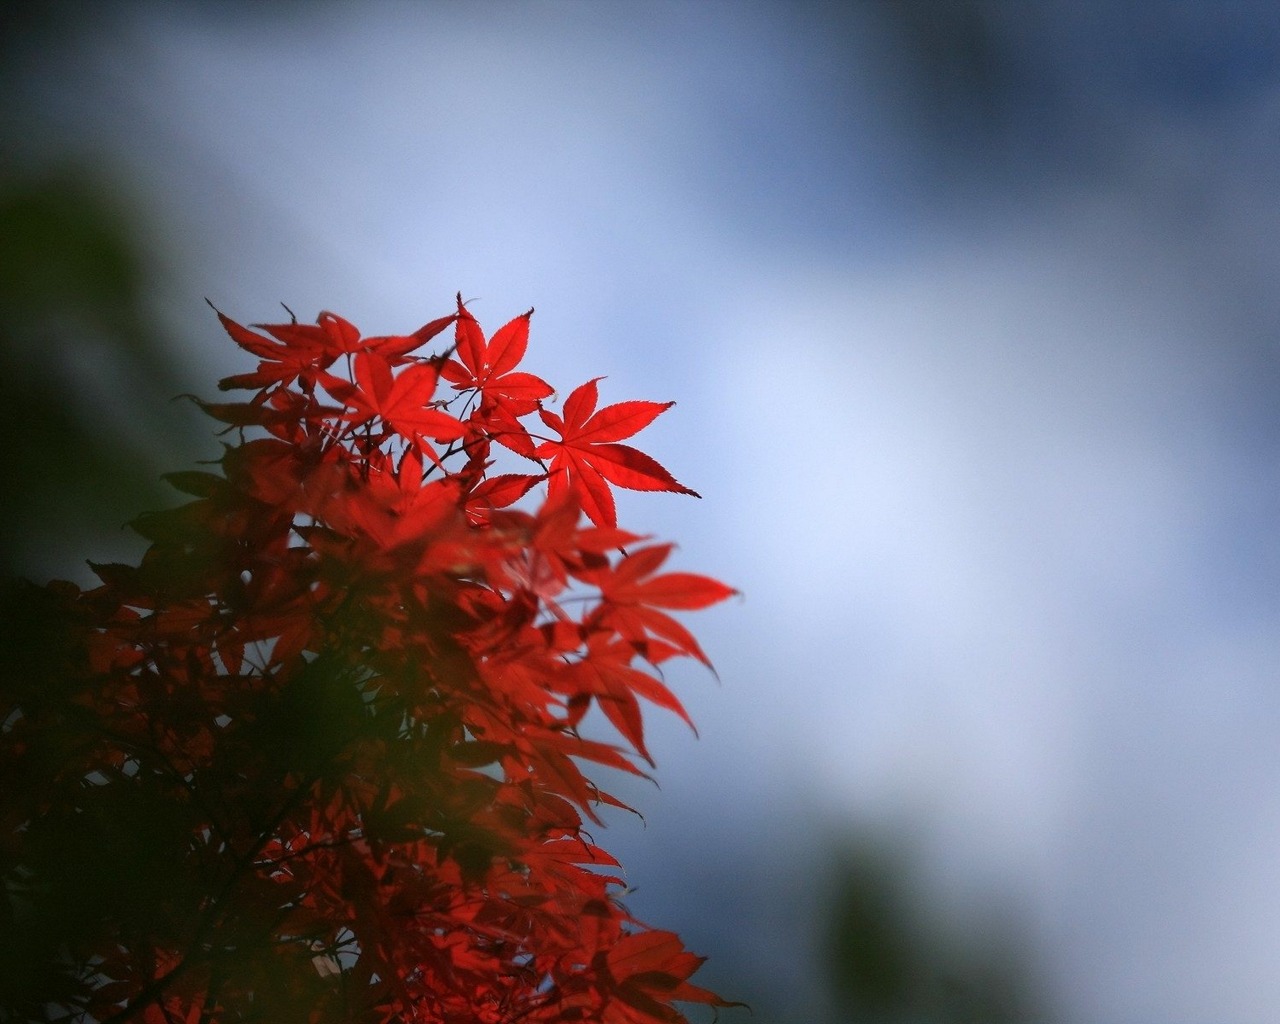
[[318, 756]]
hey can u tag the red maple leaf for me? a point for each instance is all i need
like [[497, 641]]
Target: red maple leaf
[[403, 401], [631, 595], [587, 458], [303, 351], [299, 351], [334, 718], [395, 346], [488, 368]]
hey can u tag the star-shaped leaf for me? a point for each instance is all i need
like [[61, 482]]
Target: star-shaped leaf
[[489, 367], [587, 458]]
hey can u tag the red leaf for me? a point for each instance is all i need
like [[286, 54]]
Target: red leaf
[[281, 363], [342, 334], [403, 401], [487, 367], [501, 491], [586, 460], [631, 595], [626, 583], [352, 677]]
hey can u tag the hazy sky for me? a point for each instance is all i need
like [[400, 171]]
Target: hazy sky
[[970, 317]]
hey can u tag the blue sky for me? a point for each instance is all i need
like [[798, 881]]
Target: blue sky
[[976, 365]]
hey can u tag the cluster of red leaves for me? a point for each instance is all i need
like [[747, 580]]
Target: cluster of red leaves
[[332, 717]]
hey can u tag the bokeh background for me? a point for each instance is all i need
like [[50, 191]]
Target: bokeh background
[[970, 310]]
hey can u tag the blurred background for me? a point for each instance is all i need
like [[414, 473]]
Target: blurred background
[[970, 312]]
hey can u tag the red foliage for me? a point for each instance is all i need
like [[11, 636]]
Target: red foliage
[[322, 744]]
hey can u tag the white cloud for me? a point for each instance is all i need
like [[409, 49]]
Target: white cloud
[[983, 492]]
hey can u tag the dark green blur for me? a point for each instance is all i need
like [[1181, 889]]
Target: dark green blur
[[86, 381]]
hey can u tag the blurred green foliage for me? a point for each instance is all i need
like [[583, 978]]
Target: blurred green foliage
[[85, 378], [878, 938], [889, 960]]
